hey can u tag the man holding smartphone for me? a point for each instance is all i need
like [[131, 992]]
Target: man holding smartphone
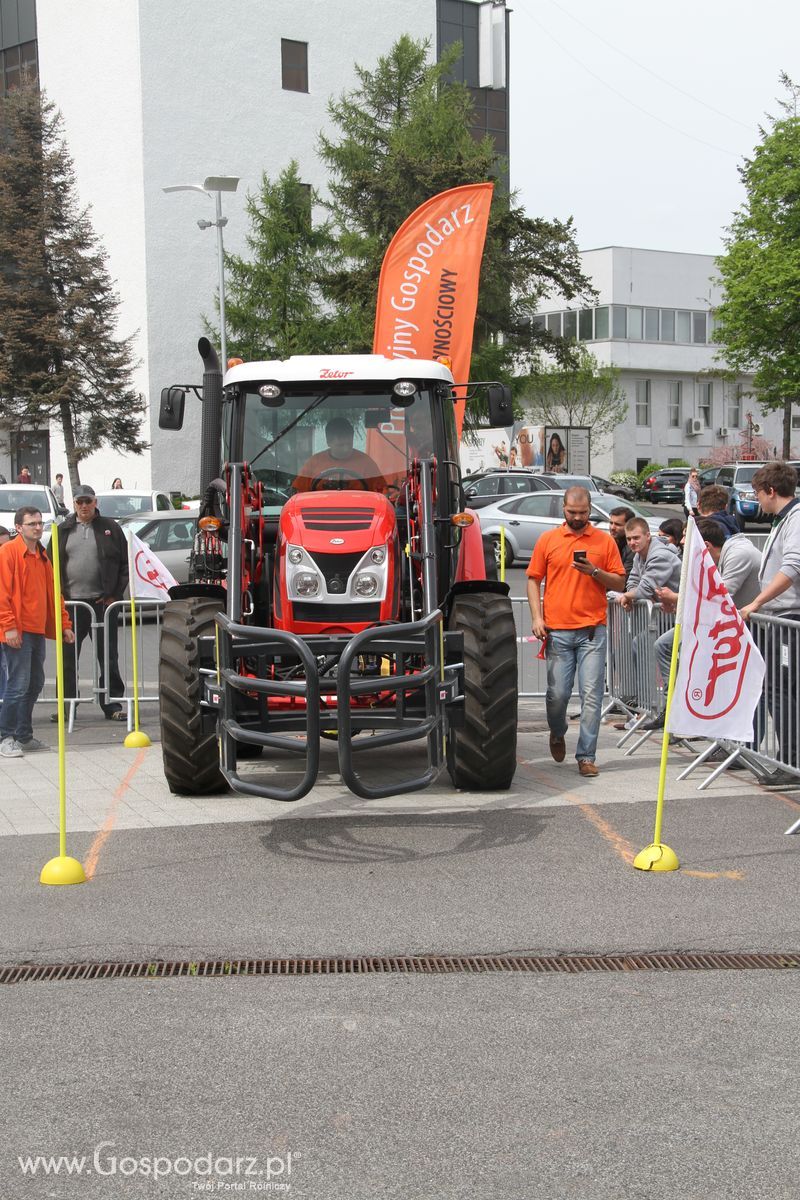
[[578, 564]]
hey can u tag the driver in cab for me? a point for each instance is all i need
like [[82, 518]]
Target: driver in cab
[[341, 465]]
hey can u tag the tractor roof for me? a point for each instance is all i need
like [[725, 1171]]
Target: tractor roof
[[301, 368]]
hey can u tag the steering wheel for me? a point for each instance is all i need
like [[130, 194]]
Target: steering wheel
[[337, 474]]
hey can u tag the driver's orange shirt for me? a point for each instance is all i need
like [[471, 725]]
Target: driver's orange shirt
[[356, 464]]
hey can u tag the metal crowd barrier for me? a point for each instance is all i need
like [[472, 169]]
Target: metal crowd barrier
[[87, 674]]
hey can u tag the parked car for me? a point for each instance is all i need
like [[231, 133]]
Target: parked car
[[118, 504], [622, 490], [488, 486], [742, 502], [170, 535], [525, 518], [709, 475], [665, 486], [17, 495]]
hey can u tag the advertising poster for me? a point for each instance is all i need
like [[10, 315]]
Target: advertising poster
[[556, 454]]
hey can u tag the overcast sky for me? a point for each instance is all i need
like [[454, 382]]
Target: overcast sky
[[633, 116]]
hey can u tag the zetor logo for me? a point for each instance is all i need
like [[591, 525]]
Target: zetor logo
[[327, 373]]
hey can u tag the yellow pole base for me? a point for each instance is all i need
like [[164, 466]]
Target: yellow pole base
[[136, 739], [62, 870], [656, 857]]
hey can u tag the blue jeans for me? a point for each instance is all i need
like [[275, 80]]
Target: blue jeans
[[25, 681], [569, 650], [3, 672]]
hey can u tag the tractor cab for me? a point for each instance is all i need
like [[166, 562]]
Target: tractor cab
[[331, 444]]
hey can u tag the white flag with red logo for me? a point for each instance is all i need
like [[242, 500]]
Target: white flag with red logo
[[721, 672], [150, 579]]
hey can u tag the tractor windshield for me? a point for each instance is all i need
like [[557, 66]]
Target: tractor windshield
[[320, 440]]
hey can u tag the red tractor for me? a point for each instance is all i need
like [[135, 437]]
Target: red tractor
[[339, 588]]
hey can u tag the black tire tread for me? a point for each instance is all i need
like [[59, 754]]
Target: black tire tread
[[482, 756], [189, 747]]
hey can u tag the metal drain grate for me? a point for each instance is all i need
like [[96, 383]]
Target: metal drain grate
[[439, 964]]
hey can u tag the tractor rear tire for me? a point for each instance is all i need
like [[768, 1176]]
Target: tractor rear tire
[[188, 735], [482, 755]]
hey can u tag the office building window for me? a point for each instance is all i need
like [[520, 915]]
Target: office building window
[[795, 420], [635, 324], [585, 325], [571, 325], [704, 403], [600, 324], [619, 323], [674, 404], [554, 324], [668, 324], [683, 327], [651, 324], [733, 418], [18, 63], [699, 327], [294, 66], [643, 402]]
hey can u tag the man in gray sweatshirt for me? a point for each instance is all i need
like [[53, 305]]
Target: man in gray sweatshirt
[[656, 564], [775, 486]]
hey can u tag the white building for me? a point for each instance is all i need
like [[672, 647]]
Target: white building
[[157, 92], [654, 322]]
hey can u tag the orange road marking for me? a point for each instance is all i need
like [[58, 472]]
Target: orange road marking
[[620, 845], [111, 816]]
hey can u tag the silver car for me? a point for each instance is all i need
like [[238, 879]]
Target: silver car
[[170, 535], [526, 518]]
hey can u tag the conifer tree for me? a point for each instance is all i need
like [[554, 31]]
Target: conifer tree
[[403, 135], [273, 299], [61, 357]]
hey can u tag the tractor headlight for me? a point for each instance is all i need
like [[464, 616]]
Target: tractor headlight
[[366, 584], [306, 584], [295, 555], [378, 555]]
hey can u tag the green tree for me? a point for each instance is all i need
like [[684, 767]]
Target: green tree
[[273, 303], [60, 355], [758, 321], [583, 395], [401, 136]]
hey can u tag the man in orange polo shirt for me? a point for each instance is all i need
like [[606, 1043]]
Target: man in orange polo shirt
[[27, 617], [578, 565]]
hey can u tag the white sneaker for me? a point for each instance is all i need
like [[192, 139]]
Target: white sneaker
[[10, 748]]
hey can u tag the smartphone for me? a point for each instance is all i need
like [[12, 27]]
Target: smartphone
[[579, 556]]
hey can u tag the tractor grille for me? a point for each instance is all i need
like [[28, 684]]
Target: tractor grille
[[407, 964], [335, 614], [336, 520]]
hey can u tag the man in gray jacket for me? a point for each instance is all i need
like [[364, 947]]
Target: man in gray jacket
[[656, 564], [775, 486]]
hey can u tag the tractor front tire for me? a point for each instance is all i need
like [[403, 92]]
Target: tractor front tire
[[188, 733], [482, 755]]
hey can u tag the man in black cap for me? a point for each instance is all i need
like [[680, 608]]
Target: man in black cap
[[94, 569]]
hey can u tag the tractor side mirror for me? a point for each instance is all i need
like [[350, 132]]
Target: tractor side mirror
[[170, 413], [501, 410]]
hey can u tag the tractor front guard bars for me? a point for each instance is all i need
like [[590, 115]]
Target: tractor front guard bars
[[421, 640]]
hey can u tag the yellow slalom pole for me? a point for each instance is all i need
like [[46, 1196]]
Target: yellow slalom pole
[[657, 856], [135, 739], [63, 869], [502, 553]]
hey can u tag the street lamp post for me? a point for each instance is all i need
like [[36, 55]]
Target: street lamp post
[[214, 186]]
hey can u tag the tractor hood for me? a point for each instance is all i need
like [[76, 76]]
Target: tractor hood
[[332, 522]]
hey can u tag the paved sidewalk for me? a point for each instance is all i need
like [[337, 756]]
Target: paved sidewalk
[[106, 783]]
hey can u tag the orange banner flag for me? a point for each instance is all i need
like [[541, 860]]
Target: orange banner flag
[[428, 290]]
